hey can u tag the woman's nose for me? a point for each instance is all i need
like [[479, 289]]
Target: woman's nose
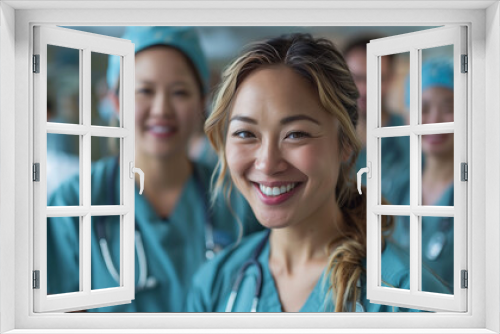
[[269, 159], [161, 105]]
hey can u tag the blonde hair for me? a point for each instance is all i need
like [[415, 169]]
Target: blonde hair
[[320, 62]]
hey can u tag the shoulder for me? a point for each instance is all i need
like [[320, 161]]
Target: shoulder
[[215, 278], [396, 119], [396, 271], [68, 192]]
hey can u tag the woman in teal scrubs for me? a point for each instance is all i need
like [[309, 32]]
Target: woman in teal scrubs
[[283, 125], [177, 227], [437, 172]]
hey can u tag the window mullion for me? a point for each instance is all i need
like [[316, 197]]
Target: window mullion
[[85, 113], [414, 171]]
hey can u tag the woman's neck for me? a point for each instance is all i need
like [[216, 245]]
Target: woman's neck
[[164, 180], [436, 178], [299, 254], [306, 242]]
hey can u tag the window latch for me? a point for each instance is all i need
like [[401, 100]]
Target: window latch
[[132, 171], [368, 171]]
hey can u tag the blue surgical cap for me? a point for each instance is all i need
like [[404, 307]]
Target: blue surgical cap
[[436, 72], [184, 39]]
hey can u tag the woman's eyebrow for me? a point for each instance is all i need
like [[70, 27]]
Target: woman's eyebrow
[[295, 118], [243, 119]]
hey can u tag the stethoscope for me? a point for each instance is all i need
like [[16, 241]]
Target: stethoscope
[[145, 281], [253, 261]]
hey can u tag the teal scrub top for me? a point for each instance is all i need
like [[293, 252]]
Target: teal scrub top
[[395, 161], [174, 246], [213, 282], [437, 238]]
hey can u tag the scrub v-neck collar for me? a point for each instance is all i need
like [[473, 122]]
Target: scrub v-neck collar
[[270, 301]]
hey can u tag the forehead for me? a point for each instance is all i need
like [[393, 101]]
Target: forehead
[[159, 61], [276, 90]]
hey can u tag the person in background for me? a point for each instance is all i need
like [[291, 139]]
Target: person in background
[[437, 172], [177, 227], [61, 165], [395, 150], [283, 125]]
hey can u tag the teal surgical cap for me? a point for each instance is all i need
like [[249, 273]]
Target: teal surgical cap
[[436, 72], [184, 39]]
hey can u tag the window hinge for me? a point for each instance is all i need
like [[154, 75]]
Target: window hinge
[[465, 279], [464, 171], [36, 63], [36, 279], [36, 172], [465, 64]]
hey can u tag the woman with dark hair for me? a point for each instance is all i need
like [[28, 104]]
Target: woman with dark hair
[[283, 125], [177, 228]]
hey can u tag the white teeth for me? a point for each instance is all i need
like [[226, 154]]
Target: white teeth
[[275, 191], [160, 129]]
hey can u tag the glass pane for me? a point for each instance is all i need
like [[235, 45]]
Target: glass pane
[[437, 85], [396, 230], [437, 254], [105, 95], [63, 167], [105, 166], [63, 255], [395, 171], [437, 169], [106, 252], [394, 71], [63, 85]]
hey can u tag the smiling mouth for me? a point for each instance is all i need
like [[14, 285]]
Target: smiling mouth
[[276, 191], [161, 130], [276, 194]]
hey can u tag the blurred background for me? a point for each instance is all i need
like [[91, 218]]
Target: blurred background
[[220, 44]]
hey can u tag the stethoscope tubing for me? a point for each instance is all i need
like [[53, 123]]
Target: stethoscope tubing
[[253, 261], [145, 281]]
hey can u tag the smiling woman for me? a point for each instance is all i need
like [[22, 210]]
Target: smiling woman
[[176, 230], [284, 128]]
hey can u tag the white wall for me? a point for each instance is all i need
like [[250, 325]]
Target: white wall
[[7, 159], [493, 161]]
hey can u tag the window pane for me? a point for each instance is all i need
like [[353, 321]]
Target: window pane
[[437, 252], [394, 71], [63, 85], [437, 85], [437, 169], [63, 167], [397, 238], [105, 98], [105, 166], [395, 171], [106, 252], [63, 255]]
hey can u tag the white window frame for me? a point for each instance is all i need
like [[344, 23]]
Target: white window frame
[[84, 43], [414, 43], [17, 19]]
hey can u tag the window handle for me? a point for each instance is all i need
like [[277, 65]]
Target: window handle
[[133, 170], [368, 171]]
